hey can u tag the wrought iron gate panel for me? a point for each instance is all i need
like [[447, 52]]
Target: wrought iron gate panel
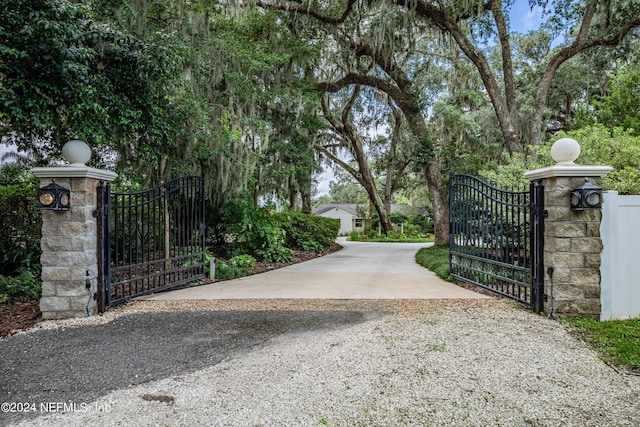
[[495, 238], [150, 241]]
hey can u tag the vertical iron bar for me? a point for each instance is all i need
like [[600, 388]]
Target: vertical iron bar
[[100, 249], [537, 291]]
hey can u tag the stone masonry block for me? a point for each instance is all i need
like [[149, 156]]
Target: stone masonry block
[[557, 244], [560, 184], [60, 243], [81, 199], [582, 307], [70, 259], [72, 288], [80, 272], [592, 261], [55, 273], [559, 213], [90, 243], [566, 291], [593, 229], [54, 304], [586, 245], [583, 276], [84, 228], [49, 289], [592, 290], [79, 303], [570, 229], [560, 276], [50, 228], [81, 214], [559, 199], [567, 259]]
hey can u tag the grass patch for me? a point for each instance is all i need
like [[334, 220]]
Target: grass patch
[[436, 259], [618, 341]]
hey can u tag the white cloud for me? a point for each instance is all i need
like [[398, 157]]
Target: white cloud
[[533, 18]]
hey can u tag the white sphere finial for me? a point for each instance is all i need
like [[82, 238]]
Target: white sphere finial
[[564, 151], [77, 153]]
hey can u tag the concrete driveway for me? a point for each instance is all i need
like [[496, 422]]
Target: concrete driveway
[[359, 271]]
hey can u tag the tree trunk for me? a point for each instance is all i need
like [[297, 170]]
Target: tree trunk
[[305, 195], [439, 201]]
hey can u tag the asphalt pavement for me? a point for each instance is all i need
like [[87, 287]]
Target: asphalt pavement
[[80, 364]]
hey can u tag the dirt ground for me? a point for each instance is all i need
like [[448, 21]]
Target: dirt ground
[[23, 312]]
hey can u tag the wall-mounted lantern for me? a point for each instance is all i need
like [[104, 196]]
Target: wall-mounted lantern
[[586, 196], [54, 197]]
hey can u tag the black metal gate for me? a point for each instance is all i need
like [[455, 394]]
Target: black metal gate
[[496, 238], [151, 240]]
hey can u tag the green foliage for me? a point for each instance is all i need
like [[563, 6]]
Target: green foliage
[[242, 261], [391, 237], [309, 232], [22, 223], [620, 107], [256, 231], [412, 231], [89, 81], [423, 222], [599, 146], [509, 173], [398, 218], [617, 340], [25, 284], [275, 253], [225, 271], [436, 259]]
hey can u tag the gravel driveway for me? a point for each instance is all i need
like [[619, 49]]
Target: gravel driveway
[[381, 363]]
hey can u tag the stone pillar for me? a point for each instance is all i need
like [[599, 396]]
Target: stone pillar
[[572, 243], [69, 238]]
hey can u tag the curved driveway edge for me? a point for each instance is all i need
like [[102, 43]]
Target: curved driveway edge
[[361, 270]]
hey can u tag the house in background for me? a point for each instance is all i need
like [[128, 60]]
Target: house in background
[[350, 219]]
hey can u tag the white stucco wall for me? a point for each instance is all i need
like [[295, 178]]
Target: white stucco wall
[[346, 219], [619, 269]]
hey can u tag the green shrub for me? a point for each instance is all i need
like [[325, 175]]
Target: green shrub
[[240, 261], [21, 228], [275, 253], [398, 218], [225, 271], [25, 284], [423, 222], [412, 231], [309, 232], [357, 236], [256, 231]]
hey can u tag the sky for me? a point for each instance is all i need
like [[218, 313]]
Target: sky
[[523, 18]]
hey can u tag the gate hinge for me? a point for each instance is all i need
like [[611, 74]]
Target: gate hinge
[[545, 213], [95, 296], [544, 298], [95, 213]]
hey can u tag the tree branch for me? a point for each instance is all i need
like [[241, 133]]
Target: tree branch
[[337, 159], [303, 10], [580, 44]]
